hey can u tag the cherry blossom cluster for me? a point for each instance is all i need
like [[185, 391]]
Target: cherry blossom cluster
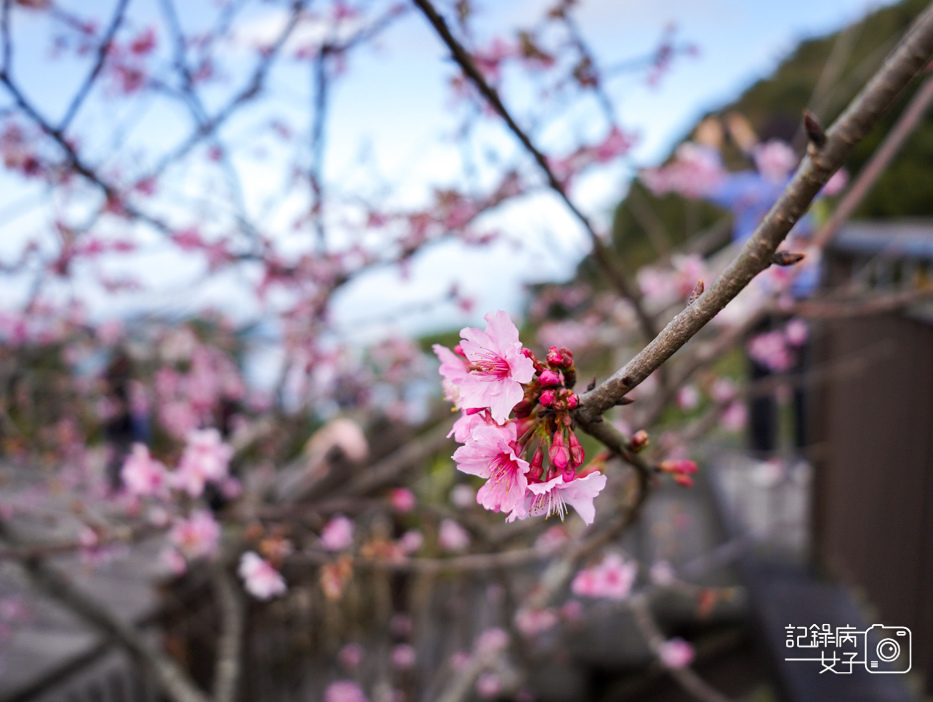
[[205, 460], [515, 413], [779, 349]]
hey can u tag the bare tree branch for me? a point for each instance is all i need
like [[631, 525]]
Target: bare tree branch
[[910, 56], [174, 682], [230, 644], [685, 677], [617, 276], [102, 50], [902, 129], [7, 40]]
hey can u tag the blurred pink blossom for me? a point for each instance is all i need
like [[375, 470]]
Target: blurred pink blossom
[[351, 655], [197, 536], [452, 537], [531, 622], [337, 534], [770, 350], [676, 653], [260, 578], [488, 685], [206, 458], [402, 499], [404, 656], [491, 642], [611, 579], [344, 691], [141, 474]]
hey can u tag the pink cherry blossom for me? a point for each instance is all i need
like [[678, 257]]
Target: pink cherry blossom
[[734, 417], [695, 171], [796, 332], [531, 622], [452, 537], [206, 458], [197, 536], [454, 369], [344, 691], [552, 539], [611, 579], [723, 390], [260, 578], [556, 494], [142, 475], [404, 656], [411, 541], [770, 350], [491, 642], [688, 397], [499, 366], [338, 534], [402, 499], [463, 427], [351, 655], [490, 454], [488, 685], [676, 653]]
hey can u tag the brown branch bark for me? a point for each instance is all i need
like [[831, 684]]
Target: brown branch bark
[[685, 677], [907, 59], [102, 51], [173, 681], [230, 644]]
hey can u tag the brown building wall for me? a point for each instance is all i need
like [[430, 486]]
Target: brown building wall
[[873, 494]]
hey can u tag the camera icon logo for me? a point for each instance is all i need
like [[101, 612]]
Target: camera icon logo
[[887, 649]]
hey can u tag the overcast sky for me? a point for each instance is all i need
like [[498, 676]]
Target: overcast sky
[[395, 104]]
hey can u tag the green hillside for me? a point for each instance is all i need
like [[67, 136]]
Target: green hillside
[[821, 75]]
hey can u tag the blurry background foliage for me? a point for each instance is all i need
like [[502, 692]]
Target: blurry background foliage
[[821, 75]]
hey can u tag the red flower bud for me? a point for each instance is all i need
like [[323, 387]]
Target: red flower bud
[[576, 450], [537, 463], [566, 357], [639, 441], [522, 409], [548, 397], [573, 400], [678, 466], [554, 356], [558, 452], [684, 480], [549, 377]]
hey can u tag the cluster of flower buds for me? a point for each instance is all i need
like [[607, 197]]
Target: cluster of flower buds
[[679, 469], [516, 412]]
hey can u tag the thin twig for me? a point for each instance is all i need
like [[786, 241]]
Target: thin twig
[[685, 677], [102, 50], [893, 141], [7, 41], [617, 276], [230, 643]]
